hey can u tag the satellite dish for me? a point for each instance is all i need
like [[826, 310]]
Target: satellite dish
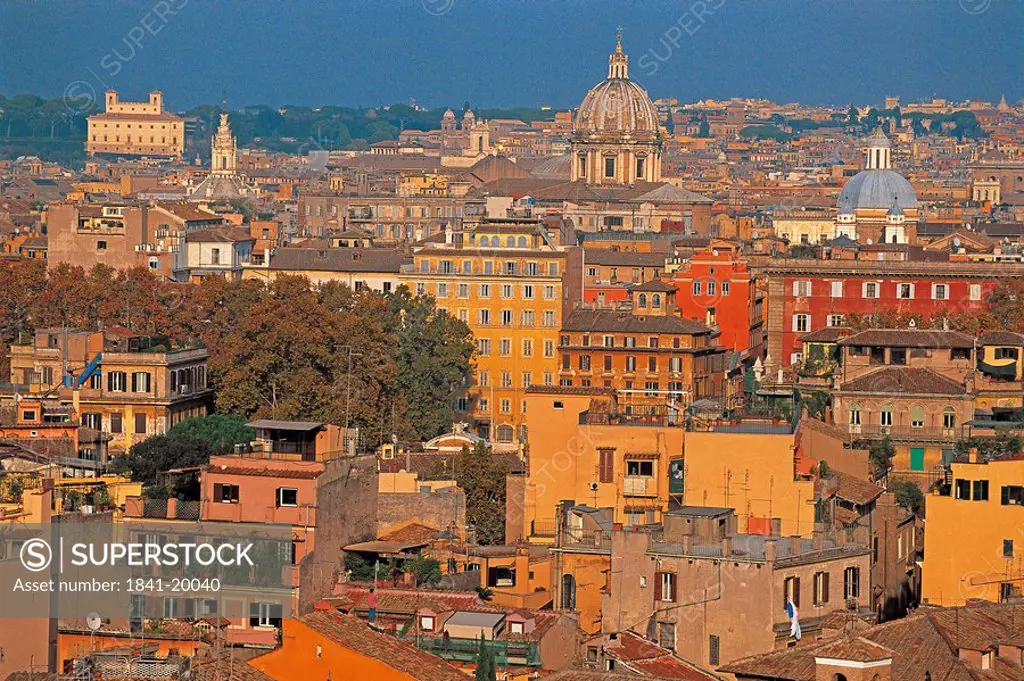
[[93, 621], [956, 242]]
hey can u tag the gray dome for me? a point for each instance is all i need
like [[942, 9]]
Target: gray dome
[[877, 189]]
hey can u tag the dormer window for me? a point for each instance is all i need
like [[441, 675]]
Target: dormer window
[[516, 627], [427, 622]]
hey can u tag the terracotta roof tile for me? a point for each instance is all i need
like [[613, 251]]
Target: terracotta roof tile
[[892, 379]]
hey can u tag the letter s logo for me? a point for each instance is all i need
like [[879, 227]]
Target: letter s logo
[[36, 555]]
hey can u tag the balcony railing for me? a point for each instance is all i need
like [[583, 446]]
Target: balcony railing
[[523, 653], [872, 430]]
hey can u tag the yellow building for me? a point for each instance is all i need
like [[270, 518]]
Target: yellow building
[[974, 545], [588, 448], [513, 286], [136, 129]]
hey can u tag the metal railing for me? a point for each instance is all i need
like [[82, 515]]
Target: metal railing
[[525, 653]]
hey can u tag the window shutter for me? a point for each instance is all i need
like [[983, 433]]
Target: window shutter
[[672, 587], [657, 585], [796, 288], [824, 588], [254, 614], [234, 494], [796, 591], [218, 492]]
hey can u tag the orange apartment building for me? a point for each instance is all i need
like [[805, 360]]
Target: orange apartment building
[[513, 287], [26, 645], [974, 548], [718, 288], [646, 353], [126, 386], [136, 129], [298, 474], [587, 448]]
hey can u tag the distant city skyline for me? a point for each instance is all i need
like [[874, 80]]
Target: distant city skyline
[[505, 54]]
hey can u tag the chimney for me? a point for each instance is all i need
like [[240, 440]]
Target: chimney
[[687, 544], [726, 546], [972, 455], [795, 544], [771, 550], [818, 538]]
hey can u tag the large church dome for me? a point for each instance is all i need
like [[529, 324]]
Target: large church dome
[[617, 105], [616, 136], [878, 186]]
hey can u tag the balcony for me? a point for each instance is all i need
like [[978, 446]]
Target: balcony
[[521, 653], [874, 430]]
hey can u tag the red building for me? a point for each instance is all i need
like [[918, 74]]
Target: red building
[[717, 288], [809, 295]]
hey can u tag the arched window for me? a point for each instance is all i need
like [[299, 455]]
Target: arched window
[[568, 592], [839, 677], [642, 300], [917, 416], [886, 416], [949, 418], [505, 433], [484, 242], [656, 300], [855, 414], [522, 242], [511, 242]]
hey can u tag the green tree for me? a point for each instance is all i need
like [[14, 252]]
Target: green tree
[[146, 461], [221, 432], [485, 667], [482, 474], [880, 453], [425, 571], [998, 447], [908, 495], [433, 358]]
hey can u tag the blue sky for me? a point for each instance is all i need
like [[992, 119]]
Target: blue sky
[[511, 52]]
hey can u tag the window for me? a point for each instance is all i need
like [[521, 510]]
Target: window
[[711, 287], [225, 494], [516, 627], [116, 423], [426, 623], [609, 167], [485, 290], [665, 583], [905, 291], [140, 424], [791, 591], [101, 246], [264, 615], [980, 490], [506, 408], [640, 469], [606, 465], [898, 356], [885, 418], [948, 418], [713, 650], [630, 363], [667, 635], [1007, 548], [917, 416], [801, 323], [696, 287], [974, 292], [117, 381], [725, 288], [836, 289], [549, 348], [506, 317], [215, 256], [140, 382], [851, 583], [869, 289], [963, 489], [940, 292], [836, 320], [652, 364], [1012, 495], [801, 289], [287, 496], [820, 588]]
